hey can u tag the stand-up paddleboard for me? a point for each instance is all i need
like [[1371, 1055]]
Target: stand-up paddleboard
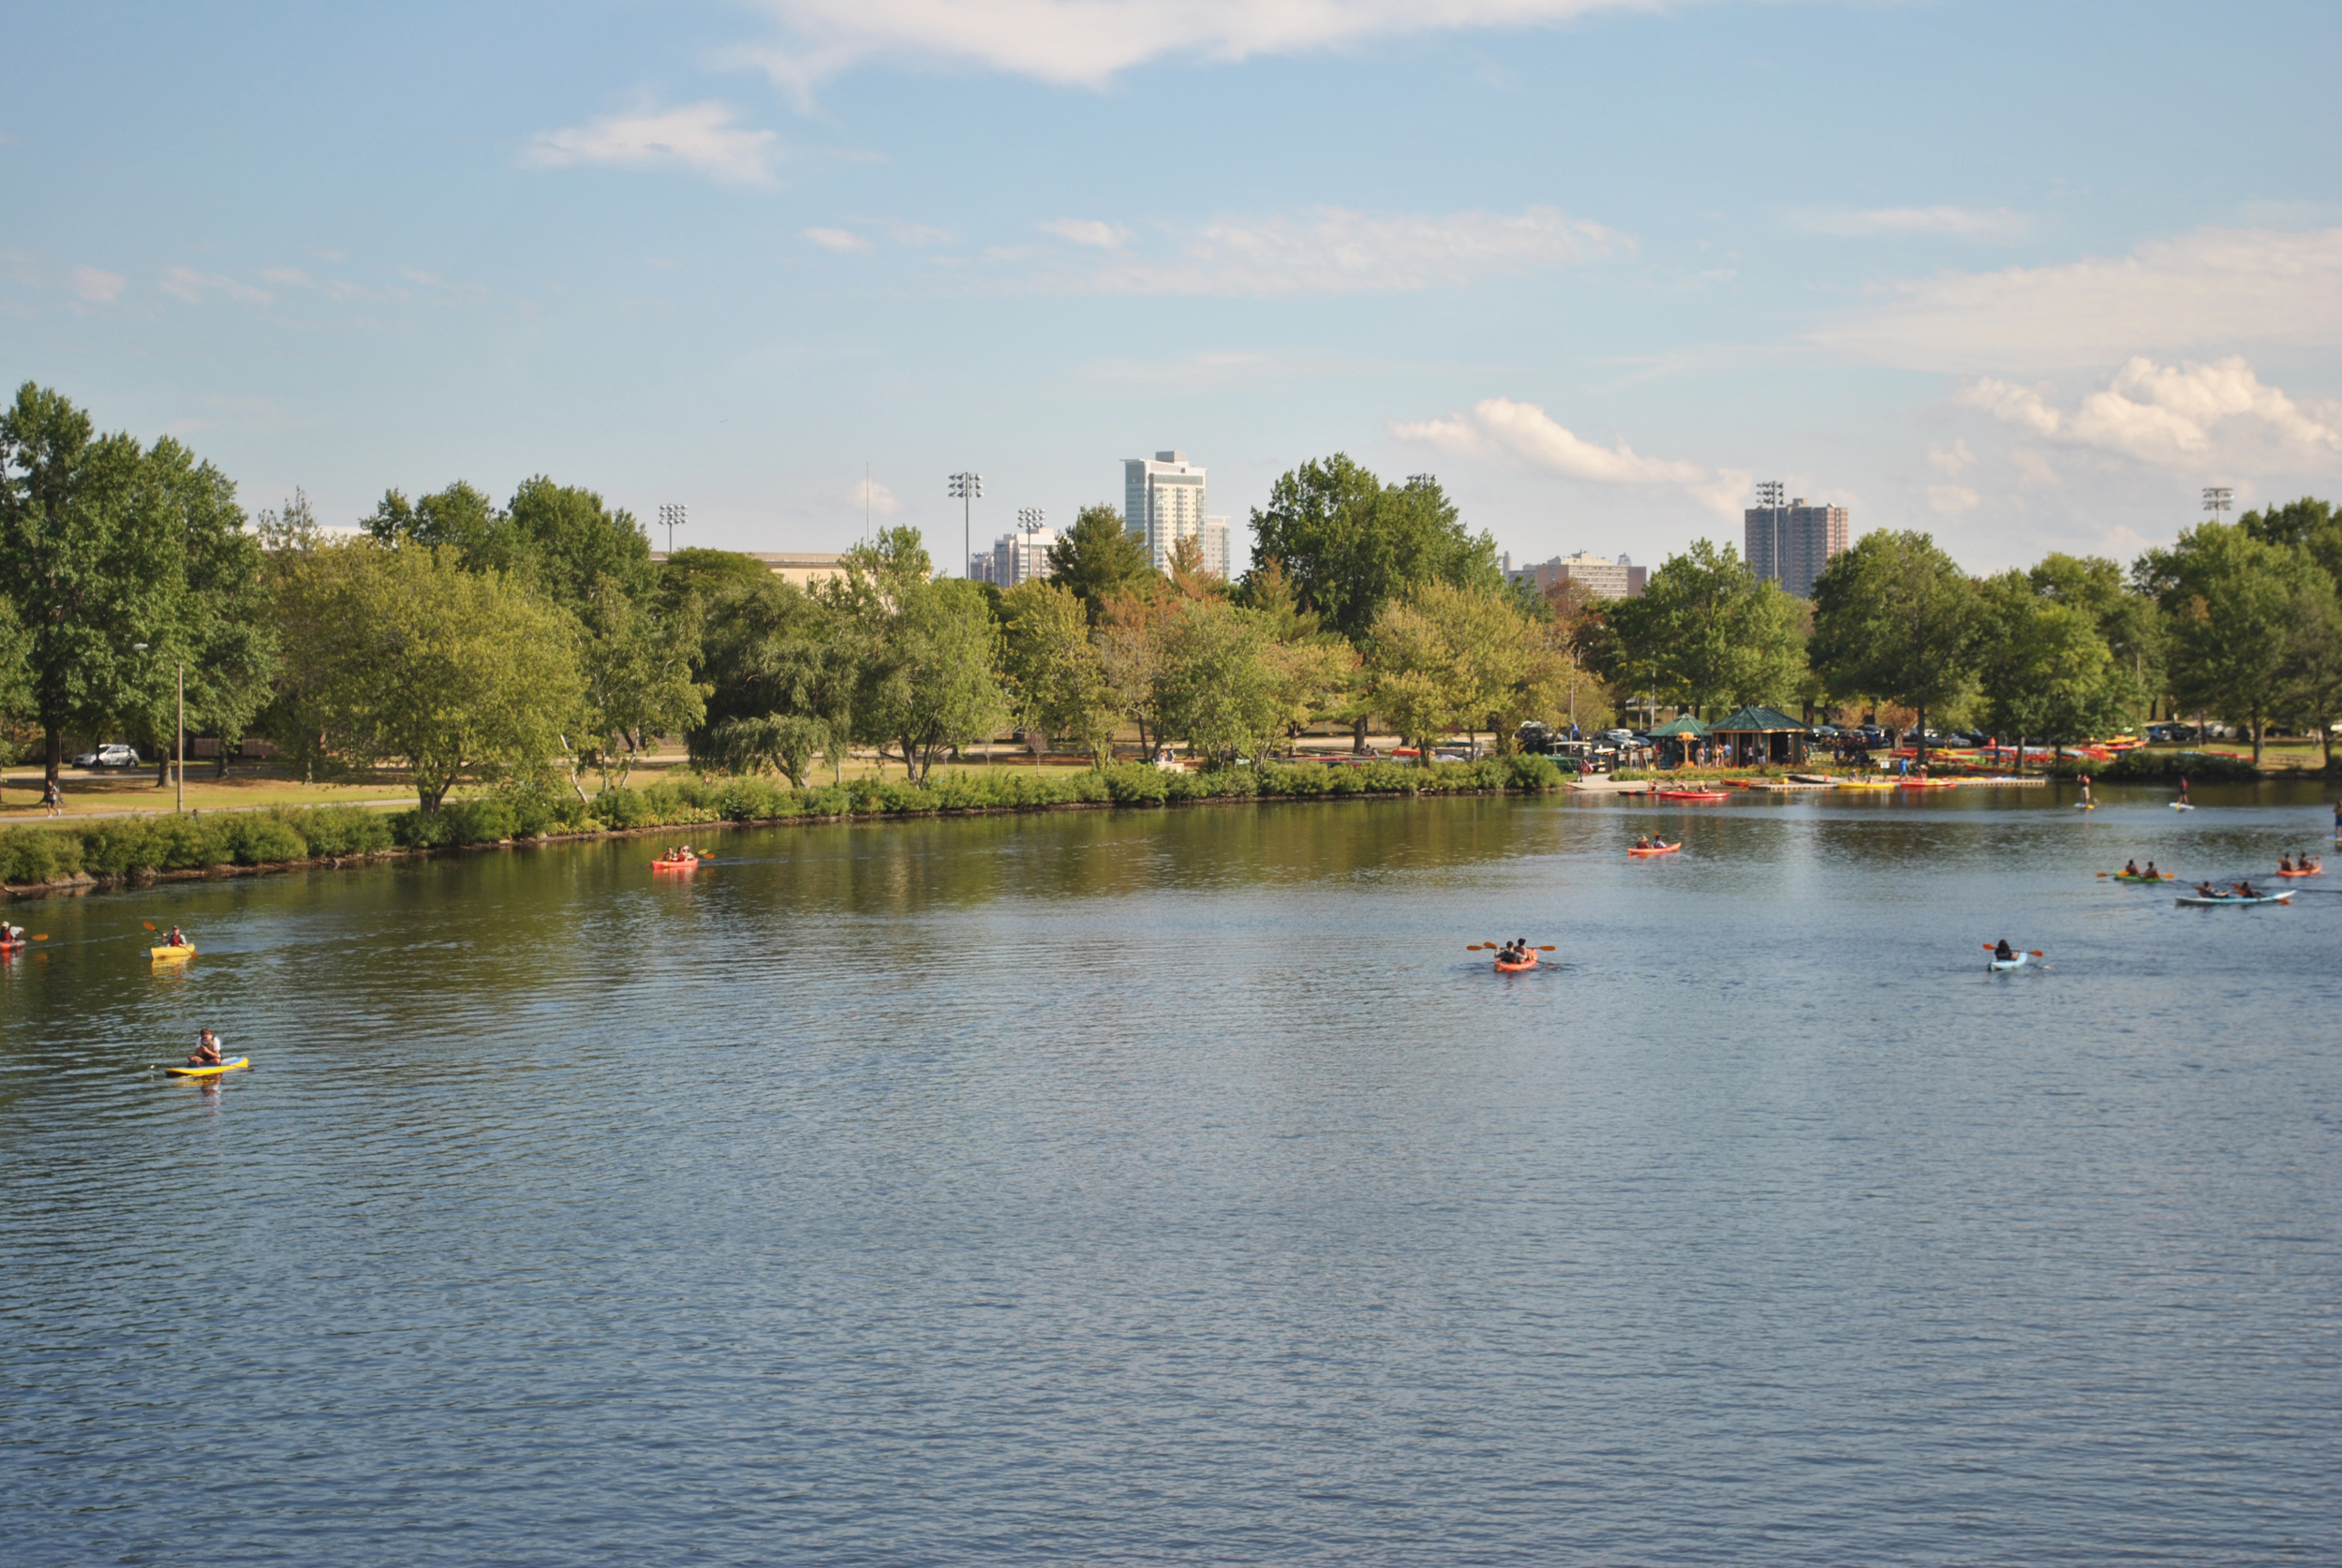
[[208, 1071]]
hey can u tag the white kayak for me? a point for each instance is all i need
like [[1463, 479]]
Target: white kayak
[[2181, 805], [2202, 903], [2017, 963]]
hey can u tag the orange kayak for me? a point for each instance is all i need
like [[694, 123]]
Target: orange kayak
[[1502, 967], [662, 865], [1657, 848]]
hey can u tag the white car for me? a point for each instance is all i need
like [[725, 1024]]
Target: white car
[[109, 756]]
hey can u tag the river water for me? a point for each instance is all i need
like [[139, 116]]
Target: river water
[[1132, 1186]]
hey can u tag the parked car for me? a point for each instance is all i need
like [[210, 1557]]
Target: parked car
[[109, 756]]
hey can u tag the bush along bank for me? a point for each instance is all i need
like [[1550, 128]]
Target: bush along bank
[[135, 849], [2197, 767]]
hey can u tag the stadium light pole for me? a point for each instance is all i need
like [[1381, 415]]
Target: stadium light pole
[[965, 489], [671, 518], [2217, 499]]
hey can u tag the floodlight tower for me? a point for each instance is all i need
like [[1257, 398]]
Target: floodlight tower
[[965, 489], [672, 517], [2217, 499]]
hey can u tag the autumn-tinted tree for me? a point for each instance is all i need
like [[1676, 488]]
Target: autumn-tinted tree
[[1097, 558]]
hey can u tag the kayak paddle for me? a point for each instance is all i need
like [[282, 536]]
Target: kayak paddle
[[2035, 951]]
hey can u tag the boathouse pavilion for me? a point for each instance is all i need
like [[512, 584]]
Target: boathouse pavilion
[[1754, 737]]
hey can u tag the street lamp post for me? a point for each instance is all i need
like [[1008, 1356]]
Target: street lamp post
[[965, 489], [672, 517], [179, 766]]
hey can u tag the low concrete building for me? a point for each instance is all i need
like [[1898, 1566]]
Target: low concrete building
[[800, 568], [1596, 575]]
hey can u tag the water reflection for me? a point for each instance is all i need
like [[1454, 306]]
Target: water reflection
[[1173, 1184]]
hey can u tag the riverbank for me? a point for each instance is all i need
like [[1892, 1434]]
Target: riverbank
[[78, 857]]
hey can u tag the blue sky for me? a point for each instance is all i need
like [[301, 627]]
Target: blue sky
[[2029, 276]]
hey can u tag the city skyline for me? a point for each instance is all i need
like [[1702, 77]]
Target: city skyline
[[1599, 266]]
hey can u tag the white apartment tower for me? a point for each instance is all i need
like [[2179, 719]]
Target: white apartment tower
[[1162, 503], [1017, 557]]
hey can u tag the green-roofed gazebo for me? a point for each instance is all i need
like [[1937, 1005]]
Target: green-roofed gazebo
[[1674, 741], [1755, 736]]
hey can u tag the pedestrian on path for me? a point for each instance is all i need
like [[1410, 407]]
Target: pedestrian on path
[[53, 798]]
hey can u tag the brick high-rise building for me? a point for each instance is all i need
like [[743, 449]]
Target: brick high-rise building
[[1791, 543]]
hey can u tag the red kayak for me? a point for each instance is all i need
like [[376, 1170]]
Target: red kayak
[[2316, 867], [1656, 848], [1691, 795], [664, 865], [1502, 967]]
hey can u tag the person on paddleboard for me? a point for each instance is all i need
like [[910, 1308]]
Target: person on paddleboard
[[2002, 953], [206, 1052]]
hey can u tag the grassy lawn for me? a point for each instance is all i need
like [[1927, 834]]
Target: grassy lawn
[[87, 794]]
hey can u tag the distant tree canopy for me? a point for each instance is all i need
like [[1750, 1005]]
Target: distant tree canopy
[[1351, 544], [1097, 558]]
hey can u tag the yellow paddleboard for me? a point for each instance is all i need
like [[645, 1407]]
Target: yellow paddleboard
[[208, 1071], [169, 955]]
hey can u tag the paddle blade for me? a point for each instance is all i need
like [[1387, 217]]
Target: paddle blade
[[1473, 947], [1545, 950], [42, 938], [148, 924]]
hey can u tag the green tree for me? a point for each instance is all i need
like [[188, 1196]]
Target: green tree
[[1892, 620], [2307, 524], [104, 545], [1217, 685], [2041, 664], [1448, 658], [1351, 544], [636, 658], [460, 519], [2128, 621], [2230, 598], [1057, 683], [1097, 558], [1708, 633], [2310, 672], [925, 647], [780, 673], [409, 658], [573, 543]]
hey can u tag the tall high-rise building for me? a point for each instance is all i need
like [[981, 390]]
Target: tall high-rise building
[[1791, 543], [1162, 503]]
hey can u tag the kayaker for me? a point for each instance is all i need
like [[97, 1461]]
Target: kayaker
[[176, 938], [2285, 865], [2131, 868], [1642, 841], [2153, 875], [2246, 890], [2004, 952], [206, 1052]]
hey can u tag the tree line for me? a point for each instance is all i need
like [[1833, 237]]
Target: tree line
[[535, 644], [2237, 621]]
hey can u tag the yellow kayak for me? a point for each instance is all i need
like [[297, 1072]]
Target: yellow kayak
[[1864, 784], [208, 1071], [169, 955]]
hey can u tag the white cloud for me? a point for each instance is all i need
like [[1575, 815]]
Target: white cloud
[[1951, 459], [2174, 416], [184, 283], [1523, 432], [1334, 250], [839, 239], [2216, 289], [876, 497], [699, 137], [1086, 42], [97, 287], [1087, 231], [1998, 225], [1951, 500]]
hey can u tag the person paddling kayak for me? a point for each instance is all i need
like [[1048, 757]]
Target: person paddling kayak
[[176, 938], [2131, 868], [2001, 952], [207, 1052]]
